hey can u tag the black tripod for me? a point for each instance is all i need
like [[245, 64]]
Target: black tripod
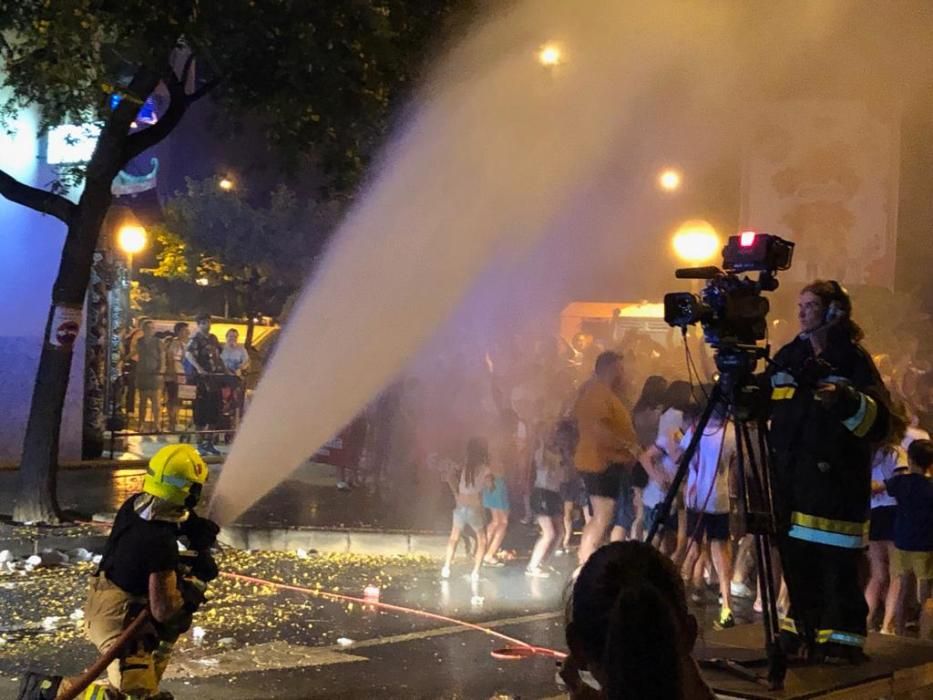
[[737, 394]]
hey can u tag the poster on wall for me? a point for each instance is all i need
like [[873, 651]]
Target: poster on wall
[[824, 174]]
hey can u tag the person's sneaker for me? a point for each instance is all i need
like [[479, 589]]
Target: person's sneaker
[[740, 589], [343, 486], [445, 572], [204, 449], [211, 449], [725, 621], [537, 572], [494, 563]]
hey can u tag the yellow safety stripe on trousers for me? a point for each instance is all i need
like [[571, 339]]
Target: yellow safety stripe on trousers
[[95, 691], [844, 527], [839, 637], [782, 393], [864, 418], [788, 625]]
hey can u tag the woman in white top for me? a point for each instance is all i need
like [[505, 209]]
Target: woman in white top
[[889, 457], [660, 461], [467, 488], [546, 503], [234, 355]]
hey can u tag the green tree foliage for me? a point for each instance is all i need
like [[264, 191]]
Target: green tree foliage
[[316, 78], [216, 237]]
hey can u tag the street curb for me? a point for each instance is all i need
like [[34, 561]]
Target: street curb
[[280, 539], [27, 546], [286, 539], [105, 464]]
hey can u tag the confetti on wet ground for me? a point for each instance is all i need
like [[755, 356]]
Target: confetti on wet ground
[[40, 621]]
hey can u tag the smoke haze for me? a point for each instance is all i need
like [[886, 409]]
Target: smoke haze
[[512, 185]]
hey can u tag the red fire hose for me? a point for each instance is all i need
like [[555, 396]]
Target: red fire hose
[[104, 660]]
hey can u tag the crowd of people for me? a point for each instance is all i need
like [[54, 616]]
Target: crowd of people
[[162, 370], [564, 438]]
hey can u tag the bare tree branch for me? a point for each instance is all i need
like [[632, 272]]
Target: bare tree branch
[[34, 198], [147, 138], [178, 105]]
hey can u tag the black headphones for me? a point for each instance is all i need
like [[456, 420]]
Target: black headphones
[[839, 305]]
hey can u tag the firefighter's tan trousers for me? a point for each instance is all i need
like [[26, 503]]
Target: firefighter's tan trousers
[[138, 669]]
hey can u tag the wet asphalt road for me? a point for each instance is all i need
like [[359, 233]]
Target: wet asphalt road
[[392, 655]]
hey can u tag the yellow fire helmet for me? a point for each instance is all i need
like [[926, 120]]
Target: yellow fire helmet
[[176, 474]]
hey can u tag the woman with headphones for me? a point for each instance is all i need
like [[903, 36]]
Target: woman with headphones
[[828, 412]]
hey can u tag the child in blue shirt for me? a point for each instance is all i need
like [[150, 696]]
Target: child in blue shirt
[[913, 525]]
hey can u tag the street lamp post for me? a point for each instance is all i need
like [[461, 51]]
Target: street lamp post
[[132, 239]]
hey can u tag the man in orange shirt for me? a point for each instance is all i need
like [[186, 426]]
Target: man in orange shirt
[[607, 448]]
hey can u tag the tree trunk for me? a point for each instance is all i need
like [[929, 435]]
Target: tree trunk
[[36, 483], [36, 493], [37, 478]]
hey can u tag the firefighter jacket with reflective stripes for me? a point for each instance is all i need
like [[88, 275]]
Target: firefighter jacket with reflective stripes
[[822, 459]]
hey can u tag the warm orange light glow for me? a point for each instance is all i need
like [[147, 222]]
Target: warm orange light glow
[[696, 242], [549, 55], [226, 184], [670, 180], [131, 238]]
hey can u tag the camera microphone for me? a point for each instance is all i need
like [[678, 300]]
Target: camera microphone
[[698, 273]]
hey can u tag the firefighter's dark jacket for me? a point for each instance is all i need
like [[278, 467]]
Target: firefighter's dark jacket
[[821, 459]]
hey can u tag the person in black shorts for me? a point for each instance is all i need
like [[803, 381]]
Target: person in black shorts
[[707, 497], [546, 502]]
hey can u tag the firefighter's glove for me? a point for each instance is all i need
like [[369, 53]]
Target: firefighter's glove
[[176, 626], [839, 397], [192, 593], [200, 532], [204, 568]]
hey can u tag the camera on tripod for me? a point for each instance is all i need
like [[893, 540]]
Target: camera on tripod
[[730, 308]]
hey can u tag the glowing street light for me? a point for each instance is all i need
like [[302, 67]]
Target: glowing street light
[[549, 55], [226, 184], [131, 238], [202, 281], [670, 180], [696, 242]]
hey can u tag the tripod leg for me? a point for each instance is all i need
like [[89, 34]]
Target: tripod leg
[[755, 475]]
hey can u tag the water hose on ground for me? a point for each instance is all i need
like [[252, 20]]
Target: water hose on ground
[[105, 659]]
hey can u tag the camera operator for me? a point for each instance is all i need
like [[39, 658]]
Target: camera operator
[[828, 410]]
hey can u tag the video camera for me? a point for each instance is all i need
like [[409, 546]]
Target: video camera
[[730, 308]]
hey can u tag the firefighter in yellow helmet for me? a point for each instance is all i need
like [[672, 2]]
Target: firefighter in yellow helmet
[[142, 568]]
